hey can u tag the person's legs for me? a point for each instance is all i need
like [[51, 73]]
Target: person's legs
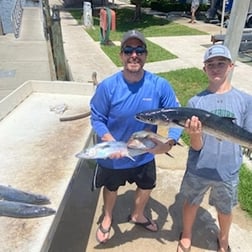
[[193, 15], [193, 12], [225, 221], [109, 198], [193, 189], [145, 178], [189, 215], [224, 197], [141, 199]]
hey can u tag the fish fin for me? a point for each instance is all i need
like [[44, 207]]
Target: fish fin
[[179, 144], [168, 154]]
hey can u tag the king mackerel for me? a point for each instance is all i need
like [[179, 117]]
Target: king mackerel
[[223, 128]]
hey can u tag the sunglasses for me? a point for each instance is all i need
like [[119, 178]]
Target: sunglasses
[[139, 50]]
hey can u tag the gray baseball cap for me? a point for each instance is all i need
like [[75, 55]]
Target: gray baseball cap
[[217, 51], [133, 34]]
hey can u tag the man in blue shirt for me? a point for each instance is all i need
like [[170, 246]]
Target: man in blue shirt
[[113, 107]]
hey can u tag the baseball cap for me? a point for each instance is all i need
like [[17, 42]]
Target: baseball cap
[[133, 34], [217, 51]]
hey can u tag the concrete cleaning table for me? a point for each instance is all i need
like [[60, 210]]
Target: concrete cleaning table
[[38, 154]]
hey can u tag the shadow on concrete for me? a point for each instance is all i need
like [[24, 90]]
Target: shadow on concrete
[[205, 229], [122, 210]]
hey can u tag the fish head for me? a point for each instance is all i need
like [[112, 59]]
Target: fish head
[[154, 117], [89, 153]]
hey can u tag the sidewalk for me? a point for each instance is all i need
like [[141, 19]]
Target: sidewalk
[[75, 233], [25, 58]]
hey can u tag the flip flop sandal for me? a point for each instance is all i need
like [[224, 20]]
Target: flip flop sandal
[[144, 224], [104, 231], [181, 246]]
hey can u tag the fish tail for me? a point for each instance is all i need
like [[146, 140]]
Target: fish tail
[[168, 154]]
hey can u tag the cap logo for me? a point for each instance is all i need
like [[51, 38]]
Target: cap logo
[[216, 50], [133, 32]]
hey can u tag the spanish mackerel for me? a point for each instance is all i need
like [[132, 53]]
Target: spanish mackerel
[[223, 128], [12, 194], [19, 204], [139, 143], [104, 150], [23, 210]]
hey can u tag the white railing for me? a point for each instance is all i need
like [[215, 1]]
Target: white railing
[[16, 17]]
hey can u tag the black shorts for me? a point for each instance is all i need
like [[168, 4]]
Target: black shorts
[[144, 176]]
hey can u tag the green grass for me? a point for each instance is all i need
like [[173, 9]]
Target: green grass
[[159, 53], [151, 27], [186, 82], [245, 191]]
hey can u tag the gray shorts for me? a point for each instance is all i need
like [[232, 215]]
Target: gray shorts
[[223, 195]]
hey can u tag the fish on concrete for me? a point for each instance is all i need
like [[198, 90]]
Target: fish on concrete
[[23, 210], [223, 128], [12, 194], [20, 204]]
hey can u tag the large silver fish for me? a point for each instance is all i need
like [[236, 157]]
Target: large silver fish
[[19, 204], [23, 210], [104, 150], [12, 194], [223, 128], [139, 143]]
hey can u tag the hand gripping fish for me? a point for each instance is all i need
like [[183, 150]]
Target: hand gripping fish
[[223, 128], [19, 204], [142, 140]]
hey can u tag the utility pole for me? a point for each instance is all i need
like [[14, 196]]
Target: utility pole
[[236, 25]]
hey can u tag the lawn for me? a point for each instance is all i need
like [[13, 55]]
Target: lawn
[[150, 25]]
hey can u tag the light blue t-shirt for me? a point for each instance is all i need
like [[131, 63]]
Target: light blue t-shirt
[[115, 104], [220, 160]]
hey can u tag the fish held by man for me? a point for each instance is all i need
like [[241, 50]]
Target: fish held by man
[[139, 143], [223, 128], [104, 150], [142, 140]]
